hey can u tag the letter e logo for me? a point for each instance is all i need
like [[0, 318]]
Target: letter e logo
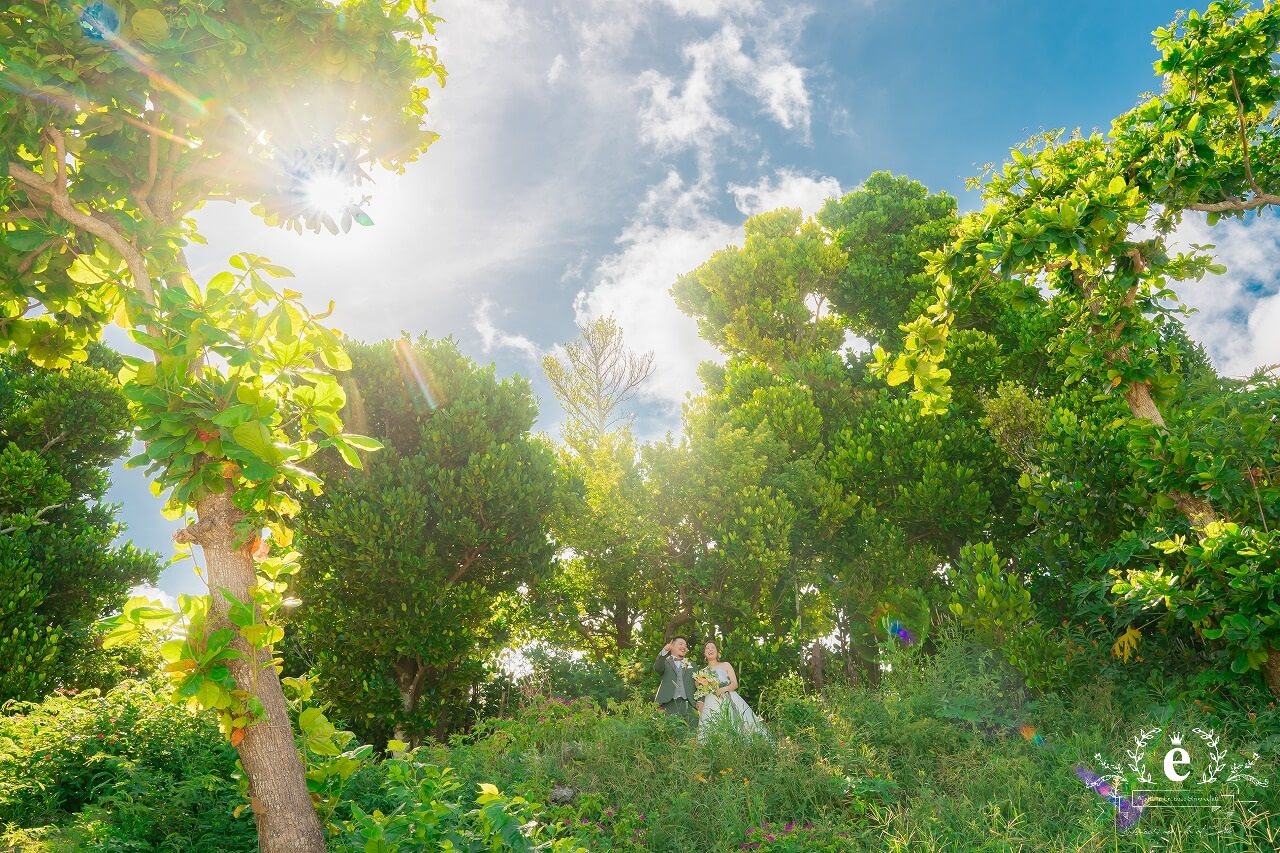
[[1173, 758]]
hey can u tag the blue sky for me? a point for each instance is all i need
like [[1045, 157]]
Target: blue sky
[[592, 150]]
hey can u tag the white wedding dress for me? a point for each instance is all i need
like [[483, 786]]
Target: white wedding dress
[[730, 711]]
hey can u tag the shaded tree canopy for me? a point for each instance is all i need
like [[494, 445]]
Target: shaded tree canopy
[[60, 569]]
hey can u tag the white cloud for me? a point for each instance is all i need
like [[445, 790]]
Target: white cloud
[[672, 234], [557, 68], [1237, 316], [687, 114], [153, 593], [712, 8], [491, 337], [605, 28], [787, 188]]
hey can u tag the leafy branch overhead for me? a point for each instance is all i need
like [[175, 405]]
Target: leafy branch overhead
[[118, 120]]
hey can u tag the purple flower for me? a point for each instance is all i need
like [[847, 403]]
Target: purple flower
[[789, 827]]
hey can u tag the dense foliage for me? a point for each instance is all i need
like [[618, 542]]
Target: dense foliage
[[121, 770], [411, 566], [60, 569], [117, 121], [937, 757], [954, 476]]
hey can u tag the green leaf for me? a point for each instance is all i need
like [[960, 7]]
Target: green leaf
[[255, 437], [361, 442]]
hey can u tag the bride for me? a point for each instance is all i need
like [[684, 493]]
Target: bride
[[724, 706]]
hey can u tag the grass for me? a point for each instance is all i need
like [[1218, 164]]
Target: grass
[[934, 759]]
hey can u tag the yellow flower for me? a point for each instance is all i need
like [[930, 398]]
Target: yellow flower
[[746, 781], [699, 777]]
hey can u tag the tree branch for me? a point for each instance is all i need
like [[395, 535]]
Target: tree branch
[[153, 164], [1244, 134], [97, 224], [25, 265], [1236, 204], [35, 519], [22, 213], [468, 559], [165, 183]]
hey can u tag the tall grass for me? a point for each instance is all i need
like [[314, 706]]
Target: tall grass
[[940, 757], [934, 759]]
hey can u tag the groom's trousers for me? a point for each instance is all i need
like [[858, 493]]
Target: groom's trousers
[[680, 708]]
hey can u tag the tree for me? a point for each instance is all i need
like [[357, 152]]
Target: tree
[[1091, 218], [604, 578], [725, 532], [59, 569], [119, 118], [882, 228], [595, 380], [882, 499], [767, 298], [411, 567]]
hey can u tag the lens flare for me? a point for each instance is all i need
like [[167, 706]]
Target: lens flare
[[415, 372], [897, 629], [100, 21], [1128, 809]]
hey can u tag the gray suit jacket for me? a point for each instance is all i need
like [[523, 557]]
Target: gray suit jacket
[[665, 666]]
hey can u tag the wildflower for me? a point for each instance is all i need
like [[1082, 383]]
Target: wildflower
[[789, 827]]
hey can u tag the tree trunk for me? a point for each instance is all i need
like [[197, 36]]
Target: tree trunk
[[684, 617], [409, 674], [817, 665], [1271, 671], [846, 654], [282, 807], [622, 623], [1142, 406], [1138, 394]]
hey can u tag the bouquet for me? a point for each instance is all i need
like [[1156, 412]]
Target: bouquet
[[705, 682]]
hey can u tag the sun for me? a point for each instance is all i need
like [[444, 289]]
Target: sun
[[330, 193]]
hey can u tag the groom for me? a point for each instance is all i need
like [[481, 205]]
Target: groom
[[675, 691]]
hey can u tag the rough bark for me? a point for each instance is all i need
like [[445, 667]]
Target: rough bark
[[817, 665], [282, 807], [1141, 405], [682, 618], [1138, 394], [409, 675], [1271, 671], [622, 623]]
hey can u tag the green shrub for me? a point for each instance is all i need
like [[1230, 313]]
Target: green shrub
[[121, 771]]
